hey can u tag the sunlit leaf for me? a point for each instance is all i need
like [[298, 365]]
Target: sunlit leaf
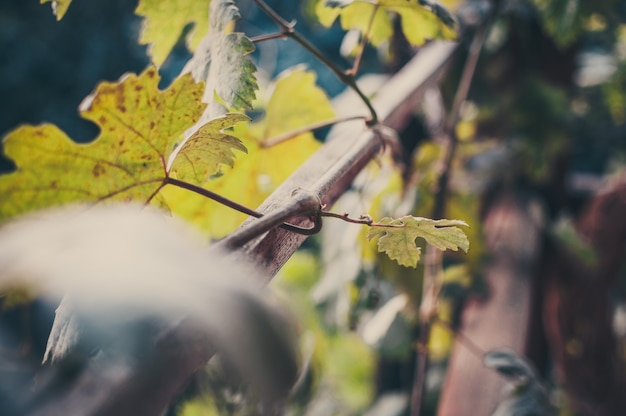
[[164, 21], [421, 20], [59, 7], [399, 239], [139, 128], [295, 102], [222, 62]]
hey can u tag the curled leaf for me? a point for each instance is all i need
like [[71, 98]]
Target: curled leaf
[[222, 62]]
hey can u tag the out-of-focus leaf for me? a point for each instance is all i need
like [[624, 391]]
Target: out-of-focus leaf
[[164, 21], [563, 19], [387, 330], [121, 265], [350, 366], [295, 102], [529, 396], [511, 365], [398, 239], [59, 7], [222, 62]]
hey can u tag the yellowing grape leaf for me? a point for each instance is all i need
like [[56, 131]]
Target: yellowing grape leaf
[[209, 147], [139, 128], [295, 102], [222, 62], [398, 240], [164, 21], [59, 7], [420, 19]]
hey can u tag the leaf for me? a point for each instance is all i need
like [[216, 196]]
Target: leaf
[[511, 365], [398, 240], [123, 264], [59, 7], [139, 128], [222, 62], [420, 19], [295, 102], [164, 21], [209, 147]]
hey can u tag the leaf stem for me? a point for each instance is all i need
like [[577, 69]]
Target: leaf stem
[[311, 127], [233, 205], [287, 28], [363, 219]]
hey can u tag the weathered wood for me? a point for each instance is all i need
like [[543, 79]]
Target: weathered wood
[[327, 174], [501, 320]]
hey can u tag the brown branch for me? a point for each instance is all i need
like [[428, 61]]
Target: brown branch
[[449, 151], [344, 76]]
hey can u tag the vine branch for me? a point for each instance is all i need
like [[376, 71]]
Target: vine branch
[[235, 205], [287, 28]]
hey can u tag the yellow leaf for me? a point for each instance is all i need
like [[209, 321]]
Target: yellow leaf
[[421, 20], [358, 15], [164, 23], [59, 7], [139, 126]]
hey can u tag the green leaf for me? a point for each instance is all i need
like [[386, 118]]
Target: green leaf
[[398, 240], [209, 147], [164, 21], [222, 62], [59, 7], [421, 19], [139, 128]]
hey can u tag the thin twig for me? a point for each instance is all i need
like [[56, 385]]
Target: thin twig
[[311, 127], [269, 36], [287, 28], [450, 144], [363, 219]]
